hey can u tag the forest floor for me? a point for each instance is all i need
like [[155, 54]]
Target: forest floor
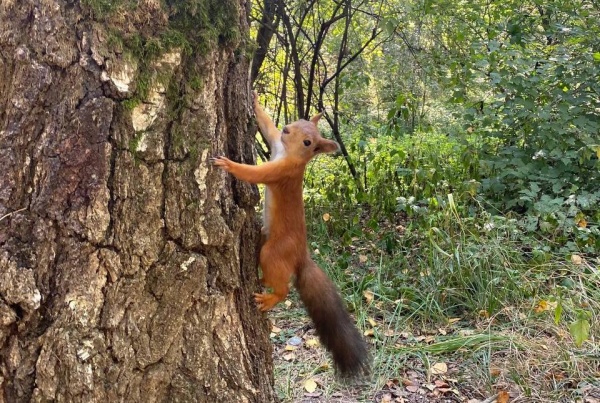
[[469, 318], [489, 361]]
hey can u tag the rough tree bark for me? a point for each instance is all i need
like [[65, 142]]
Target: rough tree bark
[[127, 263]]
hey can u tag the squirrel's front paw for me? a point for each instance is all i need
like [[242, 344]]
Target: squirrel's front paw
[[255, 103], [220, 161]]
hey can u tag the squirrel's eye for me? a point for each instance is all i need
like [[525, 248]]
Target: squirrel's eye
[[307, 142], [286, 130]]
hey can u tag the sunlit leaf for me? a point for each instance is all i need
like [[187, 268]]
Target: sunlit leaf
[[310, 385], [439, 368], [580, 330]]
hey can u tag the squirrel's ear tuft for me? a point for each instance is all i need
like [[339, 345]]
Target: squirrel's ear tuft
[[326, 146], [315, 119]]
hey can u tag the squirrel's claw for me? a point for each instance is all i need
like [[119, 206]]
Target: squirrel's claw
[[219, 161]]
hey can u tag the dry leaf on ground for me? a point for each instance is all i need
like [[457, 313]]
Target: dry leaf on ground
[[502, 397], [439, 368], [310, 385]]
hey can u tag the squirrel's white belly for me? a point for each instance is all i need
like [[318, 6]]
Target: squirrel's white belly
[[277, 152]]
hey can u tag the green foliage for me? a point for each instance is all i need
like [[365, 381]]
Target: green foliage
[[580, 329], [474, 129], [540, 117], [518, 133]]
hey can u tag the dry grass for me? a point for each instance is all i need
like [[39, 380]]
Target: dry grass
[[519, 350]]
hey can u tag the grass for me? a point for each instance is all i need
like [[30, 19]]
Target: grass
[[461, 291]]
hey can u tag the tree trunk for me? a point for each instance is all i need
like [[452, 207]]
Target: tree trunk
[[127, 262]]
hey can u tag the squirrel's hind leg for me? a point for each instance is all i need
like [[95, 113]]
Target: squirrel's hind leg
[[266, 302], [277, 271]]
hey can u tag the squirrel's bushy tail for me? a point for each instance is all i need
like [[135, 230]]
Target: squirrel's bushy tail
[[334, 325]]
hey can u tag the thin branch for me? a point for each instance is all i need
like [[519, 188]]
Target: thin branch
[[12, 212]]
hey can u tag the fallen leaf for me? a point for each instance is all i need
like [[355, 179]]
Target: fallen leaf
[[369, 332], [407, 382], [555, 374], [412, 388], [576, 259], [275, 329], [362, 258], [439, 368], [326, 217], [453, 320], [290, 348], [495, 371], [389, 333], [541, 306], [288, 303], [315, 394], [310, 385], [440, 384], [372, 322], [582, 223], [312, 343], [369, 296], [442, 331], [387, 398], [502, 397], [289, 357], [430, 386]]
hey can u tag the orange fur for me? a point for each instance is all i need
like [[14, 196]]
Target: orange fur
[[284, 253]]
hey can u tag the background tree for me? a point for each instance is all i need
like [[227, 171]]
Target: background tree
[[127, 263], [471, 178], [314, 44]]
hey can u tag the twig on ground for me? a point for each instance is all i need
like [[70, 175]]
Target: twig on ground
[[491, 398]]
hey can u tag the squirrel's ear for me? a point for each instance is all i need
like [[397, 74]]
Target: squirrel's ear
[[326, 146], [315, 119]]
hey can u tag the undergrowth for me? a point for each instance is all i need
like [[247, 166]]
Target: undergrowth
[[442, 277]]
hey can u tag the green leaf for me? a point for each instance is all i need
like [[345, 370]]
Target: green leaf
[[580, 330], [558, 312], [597, 56]]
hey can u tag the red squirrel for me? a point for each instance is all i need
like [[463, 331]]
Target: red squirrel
[[284, 253]]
